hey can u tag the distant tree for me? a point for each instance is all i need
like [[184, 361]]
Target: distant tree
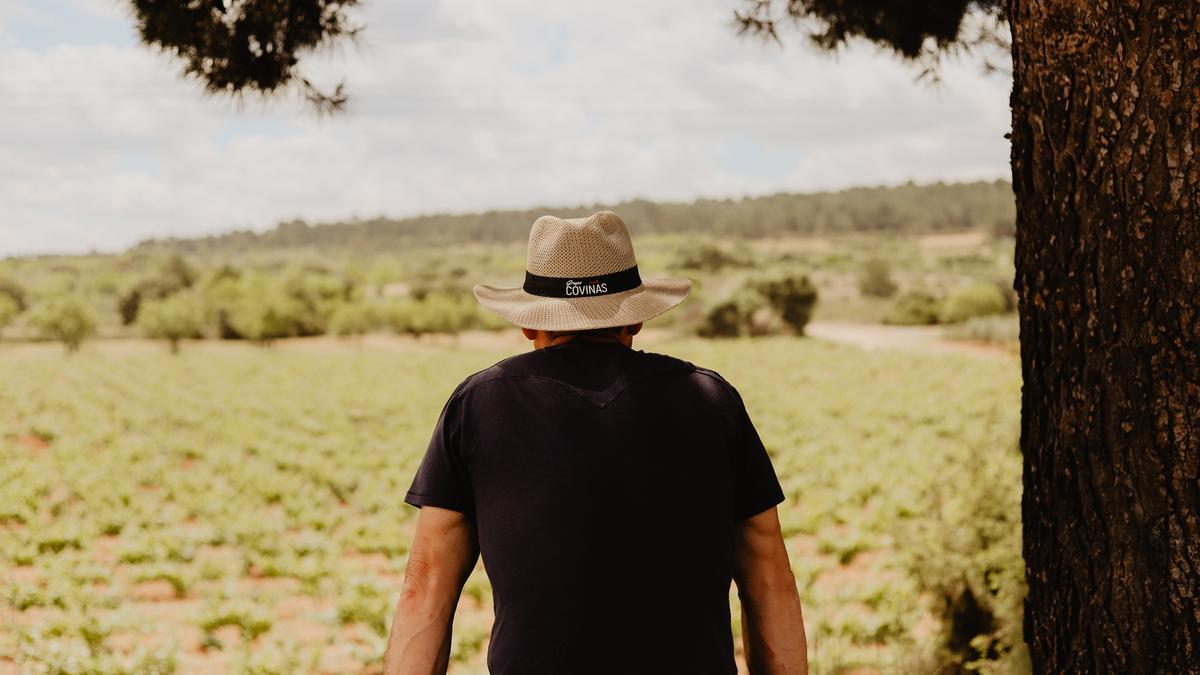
[[173, 275], [875, 279], [238, 47], [66, 319], [174, 318]]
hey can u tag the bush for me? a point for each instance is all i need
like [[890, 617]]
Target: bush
[[14, 291], [707, 258], [980, 299], [352, 318], [66, 319], [172, 276], [793, 299], [875, 279], [173, 318], [8, 310], [914, 308], [735, 316], [967, 559], [265, 318], [763, 307], [435, 313]]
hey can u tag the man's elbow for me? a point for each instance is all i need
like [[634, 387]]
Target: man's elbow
[[426, 584]]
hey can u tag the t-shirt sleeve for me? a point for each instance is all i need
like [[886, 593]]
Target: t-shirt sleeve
[[757, 487], [442, 479]]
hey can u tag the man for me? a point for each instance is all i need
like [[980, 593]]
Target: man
[[614, 494]]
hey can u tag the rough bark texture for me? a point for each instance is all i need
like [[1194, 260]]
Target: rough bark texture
[[1106, 113]]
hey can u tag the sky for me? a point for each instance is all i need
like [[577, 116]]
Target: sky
[[457, 106]]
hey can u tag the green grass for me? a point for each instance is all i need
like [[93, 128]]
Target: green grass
[[264, 489]]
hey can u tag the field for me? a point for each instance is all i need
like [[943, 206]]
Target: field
[[239, 509]]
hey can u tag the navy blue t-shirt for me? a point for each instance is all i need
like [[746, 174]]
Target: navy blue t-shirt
[[605, 484]]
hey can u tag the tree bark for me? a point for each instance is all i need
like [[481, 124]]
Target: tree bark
[[1106, 113]]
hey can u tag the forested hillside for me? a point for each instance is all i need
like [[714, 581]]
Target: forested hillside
[[908, 208]]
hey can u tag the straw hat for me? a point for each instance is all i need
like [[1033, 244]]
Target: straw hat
[[580, 273]]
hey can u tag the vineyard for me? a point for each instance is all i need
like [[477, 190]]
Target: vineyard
[[240, 509]]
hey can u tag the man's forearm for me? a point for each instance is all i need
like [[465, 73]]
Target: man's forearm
[[419, 643], [773, 626]]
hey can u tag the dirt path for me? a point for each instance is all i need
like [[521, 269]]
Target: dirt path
[[924, 339]]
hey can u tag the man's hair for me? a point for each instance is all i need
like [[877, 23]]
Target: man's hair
[[612, 331]]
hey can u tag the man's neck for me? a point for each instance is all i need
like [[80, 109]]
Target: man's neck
[[625, 340]]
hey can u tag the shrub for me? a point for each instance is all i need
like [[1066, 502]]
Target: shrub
[[980, 299], [172, 276], [66, 319], [914, 308], [793, 299], [352, 318], [13, 291], [707, 257], [875, 279], [762, 307], [8, 310], [437, 313], [732, 317], [967, 558], [173, 318]]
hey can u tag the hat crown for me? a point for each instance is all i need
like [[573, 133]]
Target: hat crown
[[574, 247]]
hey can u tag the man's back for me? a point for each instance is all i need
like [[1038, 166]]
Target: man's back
[[605, 485]]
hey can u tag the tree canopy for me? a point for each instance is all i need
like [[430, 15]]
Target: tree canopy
[[237, 47], [913, 29]]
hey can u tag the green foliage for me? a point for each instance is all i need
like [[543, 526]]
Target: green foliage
[[173, 275], [362, 601], [906, 209], [353, 318], [248, 47], [8, 310], [708, 257], [913, 31], [281, 480], [793, 298], [14, 292], [875, 279], [967, 558], [66, 319], [174, 318], [745, 313], [762, 307], [438, 313], [979, 299], [250, 619], [915, 308]]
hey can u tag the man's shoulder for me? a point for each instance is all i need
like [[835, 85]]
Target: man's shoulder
[[650, 364]]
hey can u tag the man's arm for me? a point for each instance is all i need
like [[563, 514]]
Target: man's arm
[[772, 622], [444, 551]]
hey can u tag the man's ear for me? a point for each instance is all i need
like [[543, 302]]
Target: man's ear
[[529, 333], [634, 329]]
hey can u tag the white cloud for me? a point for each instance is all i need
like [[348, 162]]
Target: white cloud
[[469, 104]]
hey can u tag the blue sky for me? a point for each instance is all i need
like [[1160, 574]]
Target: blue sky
[[460, 105]]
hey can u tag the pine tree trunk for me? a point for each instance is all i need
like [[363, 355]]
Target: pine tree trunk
[[1106, 112]]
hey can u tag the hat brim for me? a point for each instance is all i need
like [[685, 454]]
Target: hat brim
[[643, 303]]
